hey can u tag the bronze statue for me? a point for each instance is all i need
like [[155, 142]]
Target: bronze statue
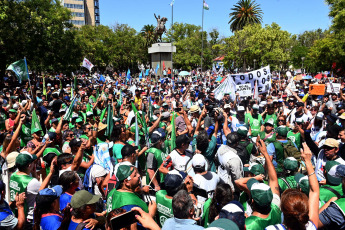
[[160, 29]]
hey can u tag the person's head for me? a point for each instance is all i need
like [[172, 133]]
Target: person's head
[[158, 138], [83, 204], [282, 132], [232, 139], [12, 113], [281, 120], [202, 141], [128, 177], [330, 173], [199, 163], [334, 96], [120, 133], [242, 132], [341, 135], [291, 102], [25, 161], [270, 109], [294, 205], [290, 165], [182, 142], [64, 160], [261, 196], [182, 205], [222, 196], [69, 181], [269, 125], [47, 201], [255, 108], [7, 141], [173, 182], [234, 211], [299, 107], [314, 110], [302, 183], [68, 135], [254, 169], [2, 191], [129, 153], [331, 147], [75, 145]]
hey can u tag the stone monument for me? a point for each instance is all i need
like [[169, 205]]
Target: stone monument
[[161, 52]]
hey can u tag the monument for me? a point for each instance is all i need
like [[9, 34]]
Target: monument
[[161, 52]]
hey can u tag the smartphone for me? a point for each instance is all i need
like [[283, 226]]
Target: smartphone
[[123, 220], [177, 109]]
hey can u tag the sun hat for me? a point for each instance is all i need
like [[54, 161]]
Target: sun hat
[[331, 142], [194, 108], [11, 159], [101, 126]]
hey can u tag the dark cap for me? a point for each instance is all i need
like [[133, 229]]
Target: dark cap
[[25, 158], [76, 142], [232, 138], [174, 179], [52, 135], [299, 104], [128, 150], [332, 118]]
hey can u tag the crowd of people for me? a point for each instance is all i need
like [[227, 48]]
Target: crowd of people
[[117, 153]]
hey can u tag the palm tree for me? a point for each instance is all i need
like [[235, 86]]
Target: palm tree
[[148, 32], [244, 12]]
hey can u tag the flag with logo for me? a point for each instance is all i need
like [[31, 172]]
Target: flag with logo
[[35, 124], [20, 68], [156, 70], [87, 64], [69, 111], [206, 6]]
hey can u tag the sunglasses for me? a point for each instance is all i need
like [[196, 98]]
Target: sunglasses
[[281, 120]]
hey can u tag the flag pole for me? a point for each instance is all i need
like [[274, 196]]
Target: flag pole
[[27, 71], [172, 40], [202, 35]]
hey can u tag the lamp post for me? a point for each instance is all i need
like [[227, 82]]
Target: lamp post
[[302, 62], [254, 63]]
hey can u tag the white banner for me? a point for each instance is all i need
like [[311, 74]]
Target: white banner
[[336, 87], [227, 86], [87, 64], [262, 76], [244, 90]]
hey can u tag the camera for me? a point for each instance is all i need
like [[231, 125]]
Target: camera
[[211, 110]]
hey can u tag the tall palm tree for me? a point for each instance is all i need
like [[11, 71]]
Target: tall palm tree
[[244, 12], [148, 32]]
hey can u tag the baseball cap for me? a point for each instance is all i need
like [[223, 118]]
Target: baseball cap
[[290, 163], [165, 115], [198, 161], [242, 131], [233, 211], [227, 106], [157, 136], [11, 159], [256, 107], [133, 130], [89, 113], [331, 142], [54, 120], [46, 196], [62, 110], [282, 130], [83, 197], [174, 179], [224, 224], [255, 168], [124, 172], [261, 193], [25, 158], [269, 122], [299, 120], [128, 150], [320, 116], [51, 135], [79, 120], [76, 142], [240, 109], [165, 104], [302, 182], [12, 111], [332, 177]]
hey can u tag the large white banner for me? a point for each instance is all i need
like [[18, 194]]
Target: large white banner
[[87, 64], [227, 86], [262, 76]]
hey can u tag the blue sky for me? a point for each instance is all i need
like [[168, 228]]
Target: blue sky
[[295, 16]]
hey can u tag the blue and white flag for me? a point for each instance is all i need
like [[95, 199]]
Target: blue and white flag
[[147, 72], [101, 78], [128, 74], [157, 67], [141, 75]]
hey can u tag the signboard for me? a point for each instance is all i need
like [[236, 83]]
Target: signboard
[[317, 89], [336, 87], [244, 90], [262, 76]]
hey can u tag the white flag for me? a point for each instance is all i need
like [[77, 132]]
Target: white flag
[[256, 91], [87, 64]]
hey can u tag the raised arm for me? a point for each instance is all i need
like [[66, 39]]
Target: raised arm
[[78, 157], [226, 128], [202, 115]]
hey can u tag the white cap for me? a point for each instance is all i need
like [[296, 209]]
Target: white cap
[[320, 115], [15, 106], [198, 160], [255, 106], [240, 109], [89, 113], [24, 102], [62, 110], [68, 85], [49, 84], [227, 106]]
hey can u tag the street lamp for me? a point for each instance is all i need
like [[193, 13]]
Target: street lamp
[[302, 62], [254, 63]]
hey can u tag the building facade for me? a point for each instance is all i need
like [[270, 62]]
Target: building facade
[[84, 12]]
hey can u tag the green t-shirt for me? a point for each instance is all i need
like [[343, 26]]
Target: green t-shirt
[[274, 117], [326, 195], [117, 152], [291, 181], [254, 123], [295, 138]]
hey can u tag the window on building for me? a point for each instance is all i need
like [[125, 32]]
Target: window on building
[[74, 6], [78, 14], [77, 22]]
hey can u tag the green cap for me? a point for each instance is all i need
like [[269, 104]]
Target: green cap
[[12, 111], [124, 172], [303, 182], [282, 131], [79, 120], [255, 168], [156, 106], [332, 177], [83, 197], [133, 130], [25, 158], [290, 163], [224, 223], [242, 131], [261, 193]]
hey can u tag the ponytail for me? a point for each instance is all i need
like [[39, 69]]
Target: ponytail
[[67, 216]]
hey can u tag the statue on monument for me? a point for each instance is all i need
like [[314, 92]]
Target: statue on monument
[[160, 29]]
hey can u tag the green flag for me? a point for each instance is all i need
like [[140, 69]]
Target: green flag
[[110, 121], [88, 107], [150, 110], [206, 6], [137, 114], [44, 86], [20, 69], [35, 124], [173, 133], [120, 97], [69, 111]]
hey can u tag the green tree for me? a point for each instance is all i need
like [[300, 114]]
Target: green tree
[[243, 13], [148, 33]]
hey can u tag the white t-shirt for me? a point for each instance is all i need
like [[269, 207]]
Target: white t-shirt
[[31, 191], [207, 182], [179, 162]]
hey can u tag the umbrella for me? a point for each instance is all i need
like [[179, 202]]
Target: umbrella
[[308, 77], [184, 73], [319, 76]]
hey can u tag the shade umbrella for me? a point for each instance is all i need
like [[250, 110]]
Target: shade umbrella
[[184, 73], [319, 76], [308, 77]]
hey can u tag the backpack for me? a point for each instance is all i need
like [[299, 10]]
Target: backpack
[[242, 152], [290, 150], [86, 182]]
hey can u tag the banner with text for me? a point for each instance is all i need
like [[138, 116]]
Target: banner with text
[[336, 87], [244, 90], [262, 76]]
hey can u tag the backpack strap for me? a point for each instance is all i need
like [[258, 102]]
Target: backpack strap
[[285, 181], [334, 191], [80, 226]]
